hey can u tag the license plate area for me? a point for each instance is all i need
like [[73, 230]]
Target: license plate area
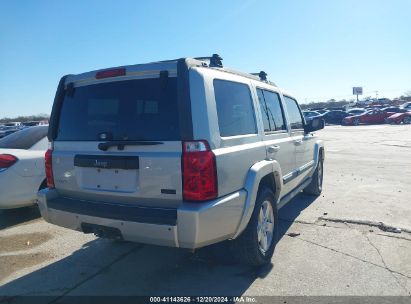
[[107, 173]]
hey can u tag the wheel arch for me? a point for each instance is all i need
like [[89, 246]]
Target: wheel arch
[[319, 154], [264, 173]]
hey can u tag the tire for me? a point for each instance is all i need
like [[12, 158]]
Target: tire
[[406, 120], [316, 186], [356, 122], [249, 248]]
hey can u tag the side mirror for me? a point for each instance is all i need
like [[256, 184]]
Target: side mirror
[[316, 123]]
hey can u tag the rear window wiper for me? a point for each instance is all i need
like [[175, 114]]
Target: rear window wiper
[[122, 143]]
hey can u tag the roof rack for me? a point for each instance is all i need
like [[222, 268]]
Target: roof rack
[[215, 61], [261, 74]]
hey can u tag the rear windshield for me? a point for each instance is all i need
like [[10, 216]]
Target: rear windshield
[[24, 139], [144, 109]]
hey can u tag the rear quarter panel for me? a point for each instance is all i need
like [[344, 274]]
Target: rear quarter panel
[[235, 155]]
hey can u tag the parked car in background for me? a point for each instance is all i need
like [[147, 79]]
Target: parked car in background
[[22, 172], [335, 117], [375, 106], [335, 109], [43, 123], [13, 124], [356, 111], [397, 118], [393, 110], [321, 111], [370, 117], [30, 123], [4, 131], [406, 105], [308, 115]]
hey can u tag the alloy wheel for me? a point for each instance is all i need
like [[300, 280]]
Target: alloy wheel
[[320, 175], [265, 227]]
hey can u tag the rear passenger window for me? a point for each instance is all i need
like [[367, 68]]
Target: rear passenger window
[[271, 111], [234, 108], [264, 112], [294, 114]]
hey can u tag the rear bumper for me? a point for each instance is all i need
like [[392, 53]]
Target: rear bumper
[[192, 225]]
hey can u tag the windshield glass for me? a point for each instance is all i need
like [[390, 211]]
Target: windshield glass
[[144, 109]]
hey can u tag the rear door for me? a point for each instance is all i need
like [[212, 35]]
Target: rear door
[[304, 143], [279, 145], [119, 141]]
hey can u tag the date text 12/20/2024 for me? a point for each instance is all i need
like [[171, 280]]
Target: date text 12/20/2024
[[205, 299]]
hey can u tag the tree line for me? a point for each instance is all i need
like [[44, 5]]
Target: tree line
[[37, 117]]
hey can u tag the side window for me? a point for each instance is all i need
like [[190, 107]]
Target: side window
[[271, 111], [234, 108], [264, 111], [296, 120]]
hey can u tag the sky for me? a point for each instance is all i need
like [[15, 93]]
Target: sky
[[317, 49]]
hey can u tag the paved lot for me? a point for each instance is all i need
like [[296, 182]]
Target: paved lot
[[341, 250]]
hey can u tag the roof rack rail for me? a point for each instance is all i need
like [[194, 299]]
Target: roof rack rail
[[215, 61], [262, 75]]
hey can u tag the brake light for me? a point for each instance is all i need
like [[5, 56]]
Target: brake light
[[6, 161], [110, 73], [49, 168], [199, 171]]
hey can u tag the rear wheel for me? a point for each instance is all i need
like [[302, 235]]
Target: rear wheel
[[255, 246], [356, 122], [407, 120], [316, 185]]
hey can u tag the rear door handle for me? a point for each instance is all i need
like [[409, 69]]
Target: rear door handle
[[273, 149]]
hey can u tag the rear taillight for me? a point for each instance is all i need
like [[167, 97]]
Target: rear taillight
[[199, 171], [6, 161], [49, 168]]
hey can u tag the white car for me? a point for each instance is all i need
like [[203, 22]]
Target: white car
[[22, 172]]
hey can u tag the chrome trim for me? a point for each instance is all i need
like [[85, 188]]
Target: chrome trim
[[290, 176]]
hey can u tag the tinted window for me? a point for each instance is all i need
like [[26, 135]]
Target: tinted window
[[310, 114], [234, 108], [271, 110], [264, 111], [144, 109], [294, 114], [24, 139]]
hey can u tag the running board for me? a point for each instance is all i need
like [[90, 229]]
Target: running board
[[289, 196]]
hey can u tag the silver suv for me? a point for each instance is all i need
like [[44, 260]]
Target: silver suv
[[182, 153]]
